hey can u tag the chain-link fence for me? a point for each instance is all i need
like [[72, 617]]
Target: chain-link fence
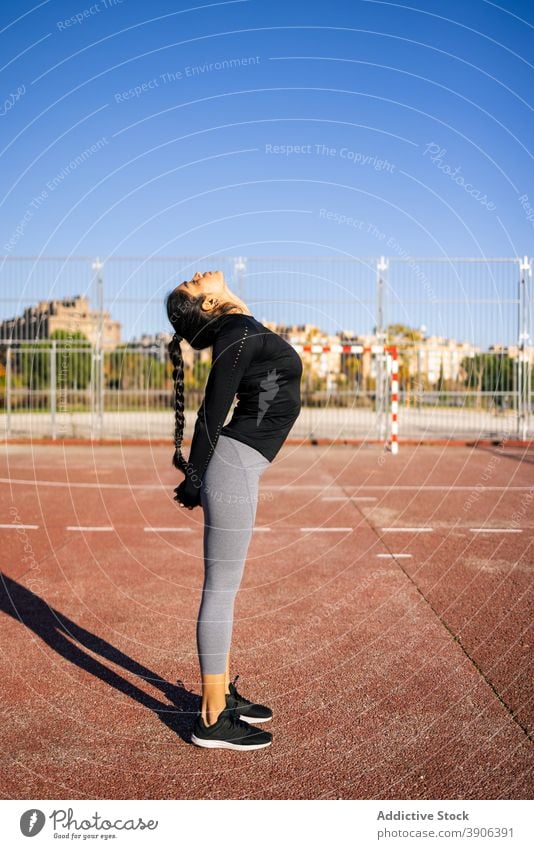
[[83, 343]]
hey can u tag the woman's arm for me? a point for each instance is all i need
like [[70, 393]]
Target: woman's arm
[[235, 346]]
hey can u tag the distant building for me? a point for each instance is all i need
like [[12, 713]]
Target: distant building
[[428, 357], [151, 340], [434, 356], [72, 315], [512, 351]]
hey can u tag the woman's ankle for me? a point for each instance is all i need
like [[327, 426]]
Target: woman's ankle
[[213, 699], [211, 715]]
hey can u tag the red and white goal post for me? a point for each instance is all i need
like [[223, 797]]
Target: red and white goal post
[[392, 359]]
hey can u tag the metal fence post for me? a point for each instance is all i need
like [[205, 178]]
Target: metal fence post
[[523, 364], [381, 393], [97, 370], [528, 343], [8, 389], [53, 395]]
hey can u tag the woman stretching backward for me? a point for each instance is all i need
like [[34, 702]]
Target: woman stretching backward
[[222, 475]]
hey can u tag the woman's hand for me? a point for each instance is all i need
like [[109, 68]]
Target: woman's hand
[[187, 496]]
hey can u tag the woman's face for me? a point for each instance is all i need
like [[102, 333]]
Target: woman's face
[[210, 283]]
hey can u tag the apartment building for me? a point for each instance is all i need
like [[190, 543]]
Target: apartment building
[[72, 315]]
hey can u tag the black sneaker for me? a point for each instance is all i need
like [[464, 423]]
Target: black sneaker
[[229, 732], [245, 709]]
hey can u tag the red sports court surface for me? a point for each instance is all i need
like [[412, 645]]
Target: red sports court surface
[[385, 615]]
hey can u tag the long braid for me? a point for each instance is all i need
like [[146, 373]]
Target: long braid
[[199, 328], [175, 353]]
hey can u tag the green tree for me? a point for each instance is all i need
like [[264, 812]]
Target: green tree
[[440, 383], [404, 332], [31, 360], [491, 374], [199, 375], [73, 361], [351, 367], [129, 369]]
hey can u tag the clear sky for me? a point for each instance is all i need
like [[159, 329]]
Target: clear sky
[[339, 128]]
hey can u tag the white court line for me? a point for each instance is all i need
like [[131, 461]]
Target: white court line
[[25, 527], [278, 487], [393, 555], [262, 528], [408, 530], [496, 530], [327, 529], [81, 528], [349, 498]]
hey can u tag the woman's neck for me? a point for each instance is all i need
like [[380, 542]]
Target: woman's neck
[[240, 305]]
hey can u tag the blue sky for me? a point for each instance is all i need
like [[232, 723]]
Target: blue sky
[[348, 128]]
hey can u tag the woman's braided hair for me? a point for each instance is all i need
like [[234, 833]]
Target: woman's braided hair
[[199, 328], [175, 353]]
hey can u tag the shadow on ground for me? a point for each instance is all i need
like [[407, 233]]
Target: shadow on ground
[[57, 631]]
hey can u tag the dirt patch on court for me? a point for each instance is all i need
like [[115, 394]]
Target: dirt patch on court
[[484, 564], [381, 516]]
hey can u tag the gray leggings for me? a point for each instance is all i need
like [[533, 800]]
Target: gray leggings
[[229, 495]]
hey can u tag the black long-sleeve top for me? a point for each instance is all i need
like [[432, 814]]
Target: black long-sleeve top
[[264, 371]]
